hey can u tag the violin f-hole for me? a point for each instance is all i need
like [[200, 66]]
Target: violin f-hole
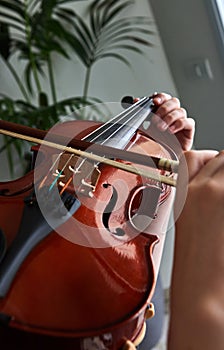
[[108, 211], [143, 206]]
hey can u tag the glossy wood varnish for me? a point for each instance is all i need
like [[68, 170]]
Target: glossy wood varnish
[[67, 291]]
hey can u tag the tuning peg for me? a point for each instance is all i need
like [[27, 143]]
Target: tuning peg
[[127, 101]]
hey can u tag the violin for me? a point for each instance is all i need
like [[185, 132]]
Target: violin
[[78, 233]]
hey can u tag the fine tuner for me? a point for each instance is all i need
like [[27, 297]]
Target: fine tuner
[[161, 163]]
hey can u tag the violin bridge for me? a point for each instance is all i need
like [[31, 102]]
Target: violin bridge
[[79, 175]]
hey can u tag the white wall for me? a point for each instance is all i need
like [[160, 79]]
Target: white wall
[[110, 79], [189, 37]]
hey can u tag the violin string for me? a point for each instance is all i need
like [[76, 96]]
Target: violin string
[[75, 171], [95, 157], [121, 126], [130, 114], [60, 173], [117, 119], [66, 185], [121, 119], [49, 171]]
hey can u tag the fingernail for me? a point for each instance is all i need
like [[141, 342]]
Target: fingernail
[[172, 128], [162, 125]]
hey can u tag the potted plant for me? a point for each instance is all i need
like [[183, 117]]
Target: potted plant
[[34, 31]]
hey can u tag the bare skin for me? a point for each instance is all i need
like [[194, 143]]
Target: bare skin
[[170, 115], [197, 288]]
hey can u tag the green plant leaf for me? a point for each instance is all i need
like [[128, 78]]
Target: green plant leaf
[[16, 6], [114, 55], [112, 12], [5, 41], [39, 29]]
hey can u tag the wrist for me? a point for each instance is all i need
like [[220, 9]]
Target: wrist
[[198, 325]]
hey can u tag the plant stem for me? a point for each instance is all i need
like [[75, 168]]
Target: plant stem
[[32, 61], [86, 82], [17, 79], [52, 83], [6, 144]]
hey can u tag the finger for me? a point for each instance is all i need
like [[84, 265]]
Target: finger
[[213, 168], [184, 130], [196, 161], [176, 124], [168, 107], [170, 120], [165, 103], [174, 120], [160, 98], [191, 163]]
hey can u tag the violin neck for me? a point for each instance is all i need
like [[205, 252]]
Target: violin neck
[[118, 131]]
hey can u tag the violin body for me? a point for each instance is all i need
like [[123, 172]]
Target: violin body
[[94, 282]]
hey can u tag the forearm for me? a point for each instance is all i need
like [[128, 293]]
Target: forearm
[[197, 326], [197, 288]]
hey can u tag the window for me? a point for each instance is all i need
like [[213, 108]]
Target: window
[[216, 12], [219, 12]]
